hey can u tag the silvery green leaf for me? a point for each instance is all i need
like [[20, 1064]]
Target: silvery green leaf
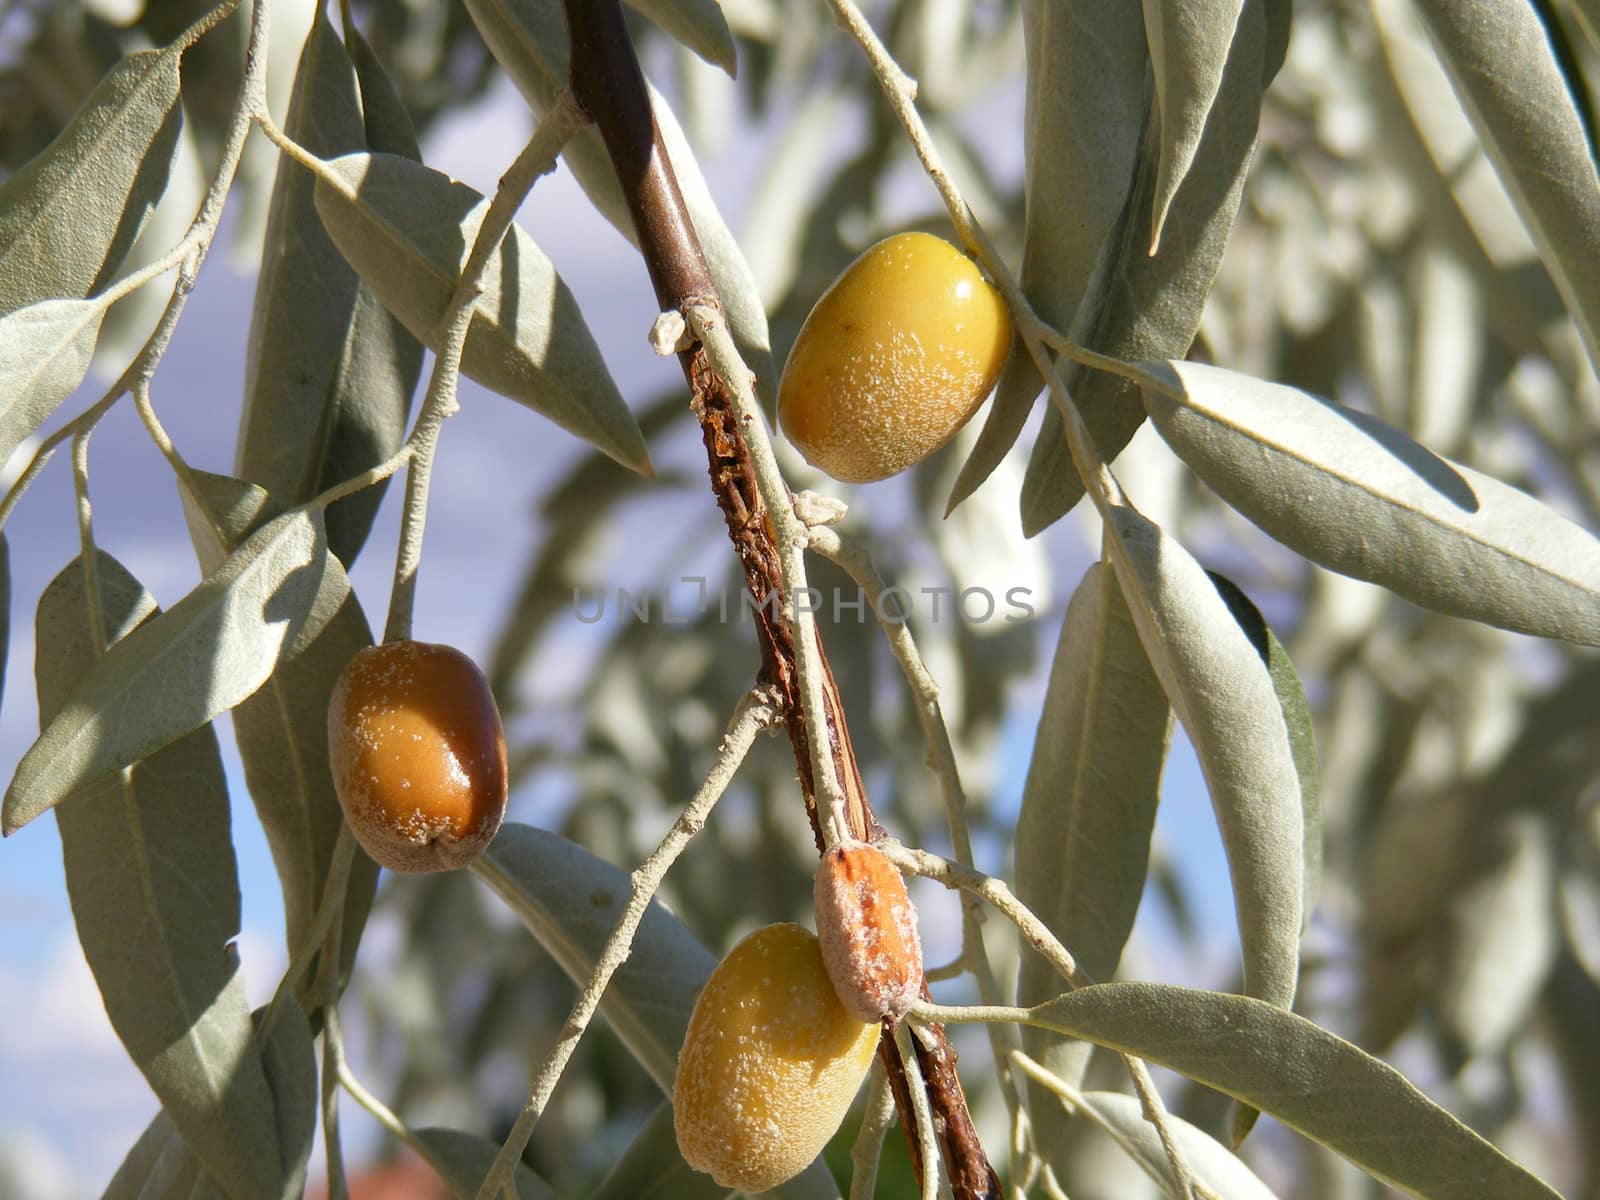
[[132, 319], [1580, 918], [1448, 134], [1085, 109], [1500, 61], [45, 350], [463, 1159], [1088, 808], [289, 1059], [529, 40], [1213, 1164], [570, 901], [341, 406], [698, 24], [1502, 942], [149, 864], [151, 1168], [652, 1168], [282, 730], [407, 230], [180, 669], [1297, 720], [69, 215], [1221, 690], [1189, 45], [1359, 497], [1156, 301], [1312, 1081], [384, 115]]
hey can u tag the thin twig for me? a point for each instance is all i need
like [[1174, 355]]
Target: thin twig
[[537, 158], [334, 890], [754, 714], [926, 1139], [941, 758], [1038, 934], [332, 1057], [1052, 1082], [877, 1116]]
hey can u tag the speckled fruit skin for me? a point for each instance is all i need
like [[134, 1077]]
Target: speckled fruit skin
[[770, 1063], [418, 755], [895, 357], [867, 928]]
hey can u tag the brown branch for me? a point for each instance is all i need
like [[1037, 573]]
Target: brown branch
[[606, 80]]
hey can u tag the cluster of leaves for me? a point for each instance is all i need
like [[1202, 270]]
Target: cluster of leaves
[[1411, 234]]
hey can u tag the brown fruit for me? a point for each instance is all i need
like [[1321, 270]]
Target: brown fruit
[[867, 928], [895, 357], [418, 756], [769, 1064]]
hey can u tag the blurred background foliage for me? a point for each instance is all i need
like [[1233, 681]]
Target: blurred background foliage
[[1376, 259]]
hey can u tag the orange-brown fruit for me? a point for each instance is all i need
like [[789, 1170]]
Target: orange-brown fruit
[[418, 755], [867, 928], [769, 1064], [896, 356]]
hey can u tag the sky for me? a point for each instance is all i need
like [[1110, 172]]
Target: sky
[[70, 1101]]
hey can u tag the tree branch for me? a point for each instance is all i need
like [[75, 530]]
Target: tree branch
[[605, 78]]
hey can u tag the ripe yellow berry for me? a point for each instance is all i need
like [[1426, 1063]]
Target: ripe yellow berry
[[770, 1063], [896, 356], [867, 929], [418, 756]]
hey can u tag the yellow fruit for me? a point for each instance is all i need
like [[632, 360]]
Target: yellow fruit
[[770, 1063], [867, 929], [896, 356], [418, 756]]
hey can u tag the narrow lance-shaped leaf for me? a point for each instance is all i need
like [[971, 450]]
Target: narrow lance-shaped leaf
[[329, 372], [1214, 1165], [1500, 61], [45, 350], [408, 229], [651, 1168], [152, 1164], [180, 669], [1088, 808], [1358, 496], [1189, 45], [570, 901], [282, 730], [1312, 1081], [155, 896], [529, 40], [69, 215], [1221, 691], [698, 24], [1297, 720], [1157, 301], [463, 1159], [1502, 942], [289, 1059], [1085, 109]]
